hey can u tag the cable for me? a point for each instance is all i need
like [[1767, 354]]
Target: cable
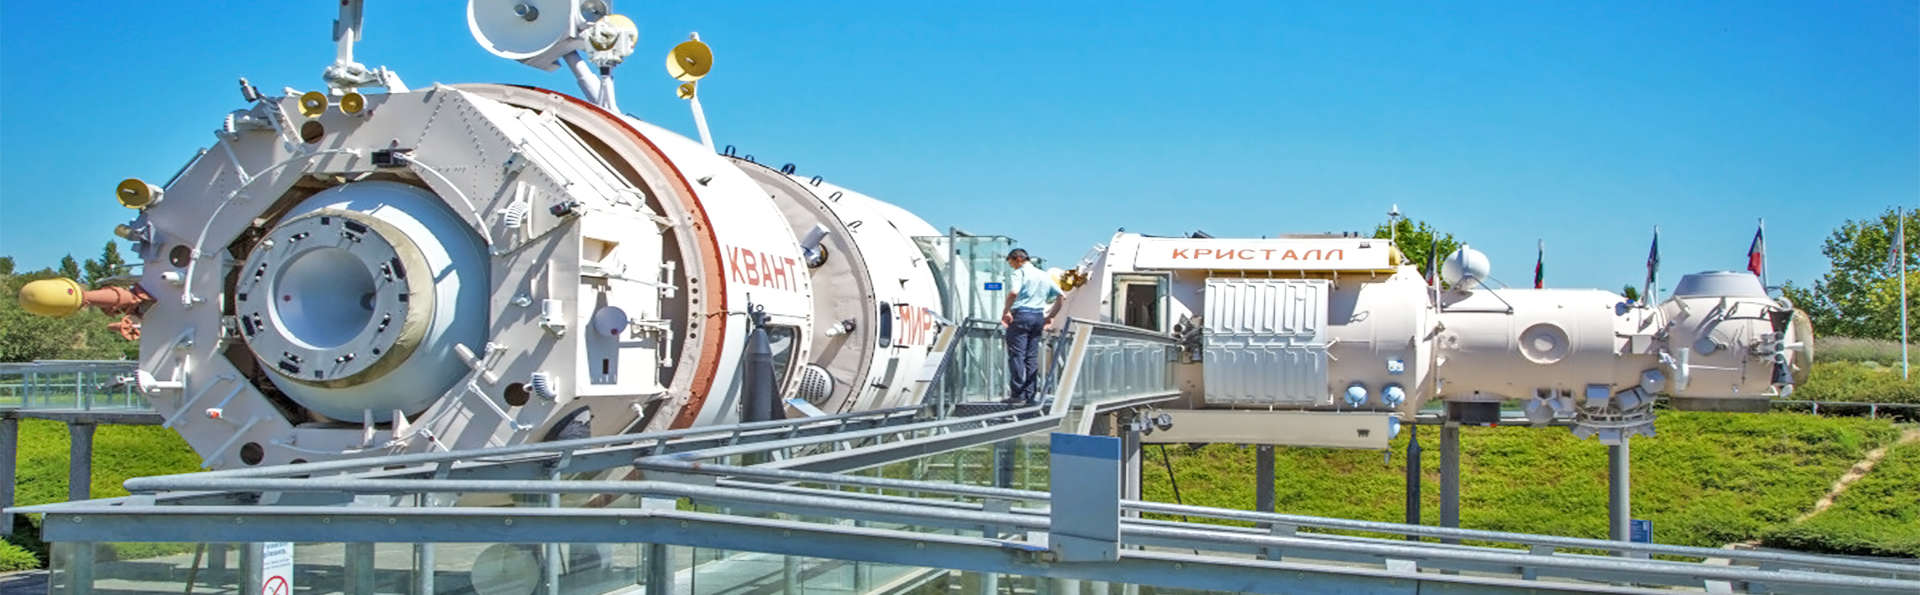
[[1175, 482], [1167, 462]]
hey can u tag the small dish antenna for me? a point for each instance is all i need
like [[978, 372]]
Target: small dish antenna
[[687, 63], [689, 60], [534, 32]]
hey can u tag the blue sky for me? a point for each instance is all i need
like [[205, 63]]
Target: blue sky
[[1057, 122]]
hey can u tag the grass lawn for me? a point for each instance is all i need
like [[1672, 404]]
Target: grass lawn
[[119, 453], [1876, 516], [1708, 479]]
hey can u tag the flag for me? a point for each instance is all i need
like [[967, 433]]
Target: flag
[[1653, 265], [1894, 261], [1540, 267], [1757, 254], [1433, 260]]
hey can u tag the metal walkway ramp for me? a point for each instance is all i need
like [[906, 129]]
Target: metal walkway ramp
[[845, 503]]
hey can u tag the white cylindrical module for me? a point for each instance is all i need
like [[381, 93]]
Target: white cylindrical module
[[1341, 323], [356, 299], [498, 265], [1496, 345]]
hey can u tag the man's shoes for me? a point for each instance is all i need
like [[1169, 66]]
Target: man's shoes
[[1016, 401]]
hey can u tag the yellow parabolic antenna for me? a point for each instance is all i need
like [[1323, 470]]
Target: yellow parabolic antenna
[[685, 91], [689, 61]]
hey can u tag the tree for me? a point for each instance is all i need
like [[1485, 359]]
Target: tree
[[69, 268], [1632, 293], [1417, 240], [108, 266], [1860, 295], [6, 266]]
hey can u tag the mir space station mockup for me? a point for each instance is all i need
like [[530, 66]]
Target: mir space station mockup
[[348, 272]]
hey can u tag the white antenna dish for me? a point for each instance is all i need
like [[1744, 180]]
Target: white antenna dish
[[534, 32], [1466, 268]]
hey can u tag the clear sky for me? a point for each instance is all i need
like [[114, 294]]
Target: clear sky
[[1057, 122]]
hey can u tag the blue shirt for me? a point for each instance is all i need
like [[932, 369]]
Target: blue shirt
[[1032, 288]]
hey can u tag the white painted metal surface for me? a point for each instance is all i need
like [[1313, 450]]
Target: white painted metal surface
[[1246, 254], [1266, 341]]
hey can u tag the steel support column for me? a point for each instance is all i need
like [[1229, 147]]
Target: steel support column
[[1450, 477], [251, 555], [1003, 463], [1413, 477], [78, 567], [1263, 479], [423, 568], [1619, 488], [360, 567], [9, 449], [80, 460]]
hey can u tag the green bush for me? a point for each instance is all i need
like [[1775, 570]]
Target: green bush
[[1849, 349], [13, 557], [1858, 381], [119, 453], [1877, 516], [1707, 480]]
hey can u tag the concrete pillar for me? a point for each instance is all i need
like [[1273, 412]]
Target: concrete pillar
[[1413, 477], [80, 461], [1450, 476]]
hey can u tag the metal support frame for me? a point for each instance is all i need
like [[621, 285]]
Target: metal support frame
[[989, 530]]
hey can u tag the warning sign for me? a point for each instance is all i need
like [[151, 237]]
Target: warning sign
[[276, 568]]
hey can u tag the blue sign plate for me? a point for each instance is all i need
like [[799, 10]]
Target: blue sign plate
[[993, 286]]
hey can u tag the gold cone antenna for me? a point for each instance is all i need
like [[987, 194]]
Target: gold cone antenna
[[313, 103], [133, 193], [352, 102], [689, 61]]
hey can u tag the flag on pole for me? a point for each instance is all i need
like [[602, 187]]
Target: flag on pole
[[1653, 267], [1540, 267], [1893, 247], [1757, 254], [1433, 261]]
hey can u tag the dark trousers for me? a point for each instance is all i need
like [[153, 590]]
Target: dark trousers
[[1023, 353]]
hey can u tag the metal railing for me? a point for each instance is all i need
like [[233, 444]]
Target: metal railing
[[82, 385], [815, 502]]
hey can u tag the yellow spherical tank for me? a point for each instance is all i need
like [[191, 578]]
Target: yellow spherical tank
[[52, 297]]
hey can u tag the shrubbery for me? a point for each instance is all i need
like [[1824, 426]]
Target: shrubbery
[[1877, 516], [1859, 382], [120, 453], [1707, 480]]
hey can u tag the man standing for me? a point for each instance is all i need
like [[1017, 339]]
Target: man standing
[[1027, 315]]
